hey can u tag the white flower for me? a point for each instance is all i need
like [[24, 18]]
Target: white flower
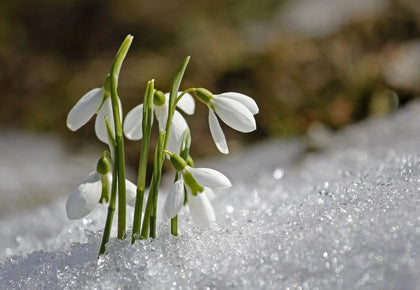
[[133, 121], [87, 194], [208, 177], [200, 207], [236, 110], [199, 183], [93, 102]]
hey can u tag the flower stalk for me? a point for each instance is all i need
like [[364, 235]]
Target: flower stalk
[[119, 140], [172, 98], [154, 190], [149, 221], [141, 180], [113, 197]]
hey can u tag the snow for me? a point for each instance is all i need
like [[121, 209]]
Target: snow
[[344, 217]]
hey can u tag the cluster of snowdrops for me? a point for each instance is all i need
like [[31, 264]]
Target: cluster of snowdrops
[[192, 187]]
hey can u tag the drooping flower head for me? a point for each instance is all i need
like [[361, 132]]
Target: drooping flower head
[[96, 101], [236, 110], [195, 181], [133, 121], [93, 190]]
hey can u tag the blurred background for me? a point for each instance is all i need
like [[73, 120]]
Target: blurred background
[[310, 64]]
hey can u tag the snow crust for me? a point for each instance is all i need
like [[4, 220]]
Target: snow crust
[[345, 217]]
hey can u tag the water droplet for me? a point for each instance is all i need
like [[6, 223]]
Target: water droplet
[[229, 209], [278, 173]]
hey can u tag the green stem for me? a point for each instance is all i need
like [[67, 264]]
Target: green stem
[[141, 180], [149, 221], [159, 159], [146, 220], [111, 205], [121, 189], [172, 99], [119, 148], [174, 226], [178, 98], [110, 215]]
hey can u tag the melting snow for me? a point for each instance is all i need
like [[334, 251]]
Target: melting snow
[[345, 217]]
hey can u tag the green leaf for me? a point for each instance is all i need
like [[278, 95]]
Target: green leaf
[[120, 56], [177, 81]]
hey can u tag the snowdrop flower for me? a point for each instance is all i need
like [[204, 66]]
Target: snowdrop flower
[[200, 207], [133, 121], [196, 181], [96, 101], [236, 110], [88, 194]]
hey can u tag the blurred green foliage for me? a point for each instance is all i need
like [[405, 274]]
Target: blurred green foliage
[[52, 52]]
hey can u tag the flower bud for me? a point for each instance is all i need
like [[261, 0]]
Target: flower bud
[[203, 95], [178, 162], [158, 98], [103, 166]]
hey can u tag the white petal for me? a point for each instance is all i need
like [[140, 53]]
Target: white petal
[[85, 197], [109, 177], [217, 133], [243, 99], [201, 210], [130, 193], [175, 199], [179, 125], [186, 103], [100, 126], [234, 114], [209, 192], [85, 108], [161, 113], [133, 123], [209, 177]]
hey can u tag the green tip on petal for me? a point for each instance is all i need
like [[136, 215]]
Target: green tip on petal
[[192, 183]]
